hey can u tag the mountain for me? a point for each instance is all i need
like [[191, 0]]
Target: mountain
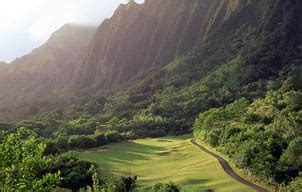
[[229, 68], [218, 51], [231, 47], [141, 36], [36, 76]]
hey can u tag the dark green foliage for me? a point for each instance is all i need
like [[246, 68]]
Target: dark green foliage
[[81, 142], [65, 143], [240, 88], [125, 184], [75, 174], [114, 184], [293, 153], [160, 187], [141, 125], [100, 139], [254, 51], [113, 137], [263, 137], [295, 185], [83, 125]]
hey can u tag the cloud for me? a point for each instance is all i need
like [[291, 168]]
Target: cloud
[[26, 24]]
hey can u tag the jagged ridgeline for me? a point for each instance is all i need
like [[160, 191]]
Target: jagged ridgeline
[[232, 69], [190, 56], [35, 82], [185, 40], [139, 37]]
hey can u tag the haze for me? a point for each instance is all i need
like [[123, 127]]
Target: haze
[[27, 24]]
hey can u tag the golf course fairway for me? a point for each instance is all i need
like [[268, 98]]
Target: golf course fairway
[[163, 160]]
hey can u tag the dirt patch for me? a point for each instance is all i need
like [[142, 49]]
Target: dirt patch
[[164, 140]]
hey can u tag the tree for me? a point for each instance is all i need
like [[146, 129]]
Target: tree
[[82, 142], [75, 173], [22, 164], [293, 153], [163, 187]]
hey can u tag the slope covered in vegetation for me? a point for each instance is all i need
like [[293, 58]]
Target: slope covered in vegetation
[[263, 137], [237, 80]]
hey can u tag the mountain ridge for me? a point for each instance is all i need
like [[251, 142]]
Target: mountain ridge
[[46, 69], [160, 30], [230, 71]]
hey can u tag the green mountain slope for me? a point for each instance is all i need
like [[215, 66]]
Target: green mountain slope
[[254, 51], [141, 36], [29, 83], [152, 69]]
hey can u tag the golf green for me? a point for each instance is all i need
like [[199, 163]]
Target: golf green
[[163, 160]]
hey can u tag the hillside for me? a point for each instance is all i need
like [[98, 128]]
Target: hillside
[[34, 78], [255, 49], [254, 53], [143, 36], [229, 70]]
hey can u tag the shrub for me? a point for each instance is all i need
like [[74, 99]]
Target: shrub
[[100, 138], [82, 142], [170, 187], [113, 136], [75, 174]]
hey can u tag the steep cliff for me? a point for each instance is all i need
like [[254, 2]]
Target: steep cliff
[[246, 49], [36, 76], [234, 67], [141, 36], [231, 48]]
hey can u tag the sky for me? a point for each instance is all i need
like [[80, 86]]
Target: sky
[[26, 24]]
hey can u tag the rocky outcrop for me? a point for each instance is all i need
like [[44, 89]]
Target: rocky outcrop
[[142, 36]]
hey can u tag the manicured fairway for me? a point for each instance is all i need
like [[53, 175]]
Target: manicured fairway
[[163, 160]]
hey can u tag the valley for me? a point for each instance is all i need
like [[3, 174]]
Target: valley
[[162, 96]]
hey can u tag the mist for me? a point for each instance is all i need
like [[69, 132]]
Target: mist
[[26, 25]]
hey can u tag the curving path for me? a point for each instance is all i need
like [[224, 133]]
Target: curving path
[[228, 169]]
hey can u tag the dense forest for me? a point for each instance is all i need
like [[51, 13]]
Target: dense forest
[[237, 85]]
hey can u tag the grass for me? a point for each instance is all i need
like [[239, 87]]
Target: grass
[[237, 170], [163, 160]]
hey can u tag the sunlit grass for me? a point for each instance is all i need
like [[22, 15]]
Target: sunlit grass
[[164, 160]]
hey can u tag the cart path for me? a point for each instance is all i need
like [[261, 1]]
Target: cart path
[[228, 169]]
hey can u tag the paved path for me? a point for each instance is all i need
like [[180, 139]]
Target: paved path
[[228, 169]]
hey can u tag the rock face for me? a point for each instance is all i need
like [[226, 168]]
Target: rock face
[[48, 68], [141, 36]]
